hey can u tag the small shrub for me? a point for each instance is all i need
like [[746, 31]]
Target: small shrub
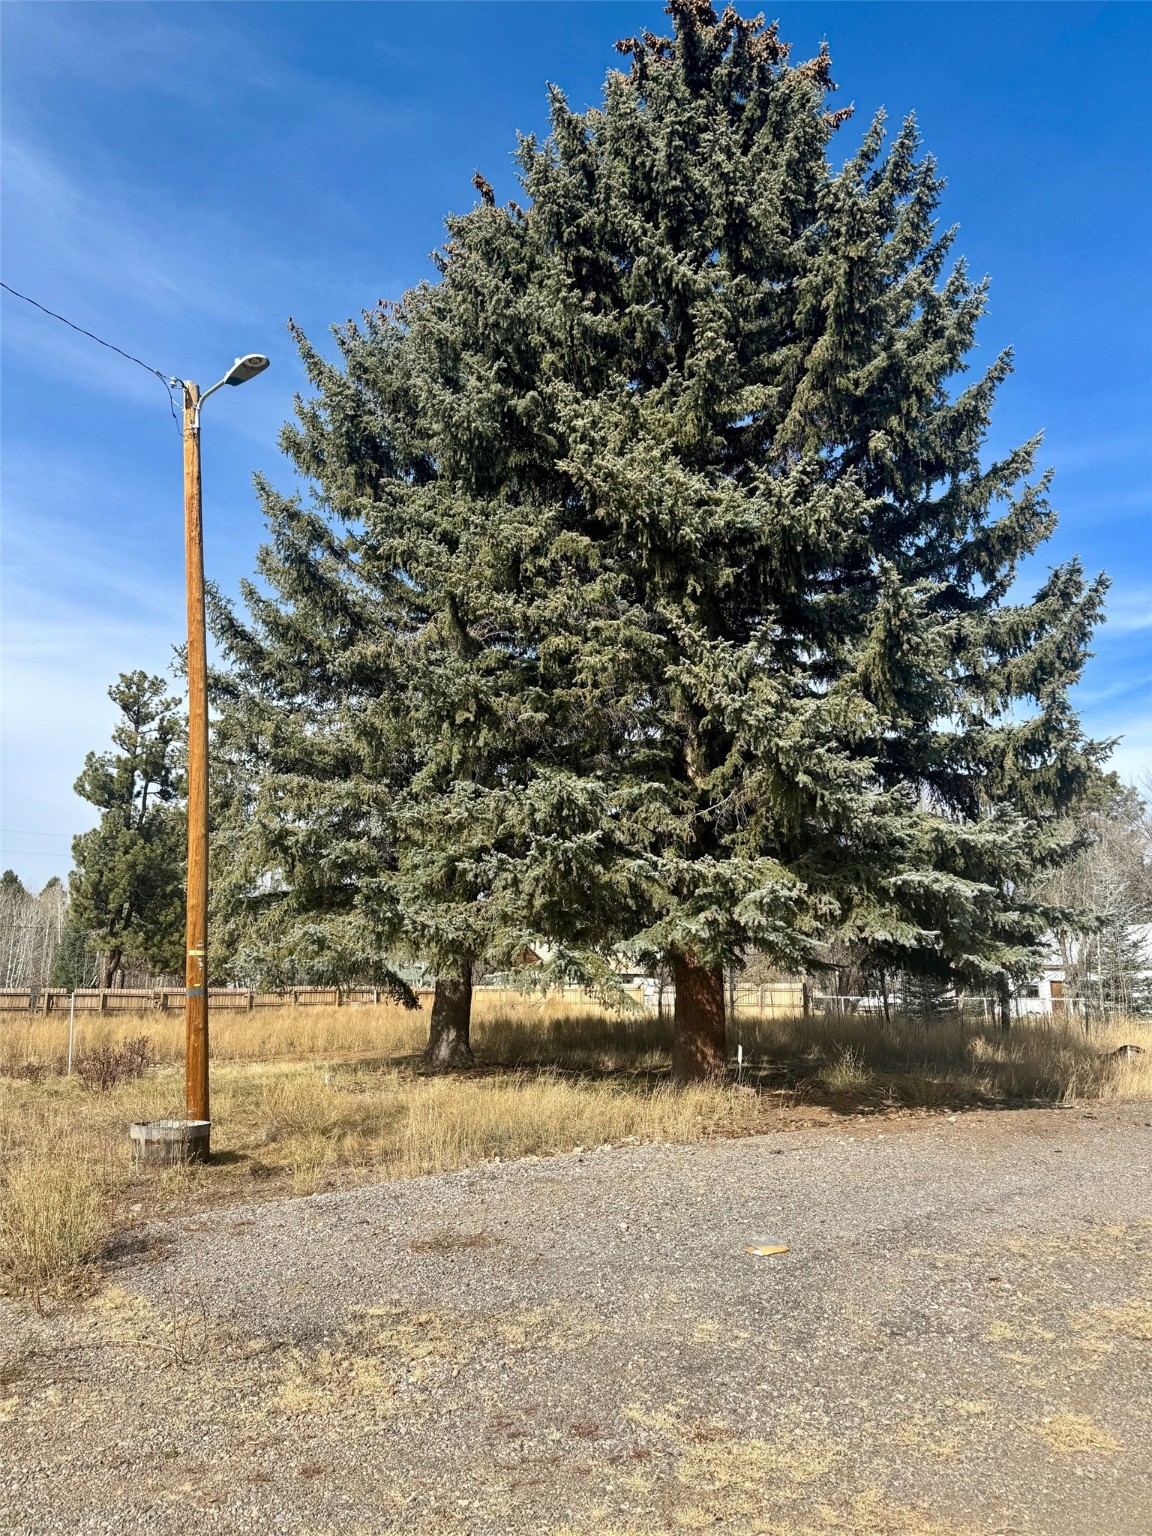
[[28, 1071], [54, 1221], [107, 1065]]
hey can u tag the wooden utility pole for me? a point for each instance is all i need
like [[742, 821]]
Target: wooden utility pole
[[196, 928]]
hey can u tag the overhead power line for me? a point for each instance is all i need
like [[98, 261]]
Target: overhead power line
[[33, 832], [140, 363]]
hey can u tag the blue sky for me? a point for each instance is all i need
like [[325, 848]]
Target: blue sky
[[181, 178]]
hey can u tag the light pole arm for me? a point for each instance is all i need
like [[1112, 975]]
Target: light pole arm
[[243, 369], [193, 400]]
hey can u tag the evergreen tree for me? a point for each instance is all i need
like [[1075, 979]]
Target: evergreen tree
[[655, 561], [925, 997], [127, 886], [75, 961], [379, 793], [301, 798]]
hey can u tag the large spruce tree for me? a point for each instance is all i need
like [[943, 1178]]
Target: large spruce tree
[[390, 780], [656, 573], [383, 785]]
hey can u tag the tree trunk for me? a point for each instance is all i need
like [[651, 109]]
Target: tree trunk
[[1005, 1005], [699, 1047], [111, 966], [448, 1049]]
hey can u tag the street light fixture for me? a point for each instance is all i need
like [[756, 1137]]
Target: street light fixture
[[196, 1101]]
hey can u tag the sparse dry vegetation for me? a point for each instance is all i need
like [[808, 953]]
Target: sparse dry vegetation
[[948, 1063], [914, 1063], [104, 1066], [847, 1073], [55, 1218], [1071, 1434], [314, 1098]]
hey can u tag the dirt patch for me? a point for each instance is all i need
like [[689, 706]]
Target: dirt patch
[[453, 1242]]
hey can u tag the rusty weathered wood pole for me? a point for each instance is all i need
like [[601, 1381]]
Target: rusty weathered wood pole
[[196, 924]]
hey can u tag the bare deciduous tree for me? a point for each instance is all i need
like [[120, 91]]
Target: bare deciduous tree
[[1106, 952], [31, 927]]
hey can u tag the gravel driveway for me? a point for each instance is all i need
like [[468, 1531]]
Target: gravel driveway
[[958, 1341]]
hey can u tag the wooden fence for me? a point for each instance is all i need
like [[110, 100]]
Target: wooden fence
[[162, 999], [236, 1000], [771, 1000]]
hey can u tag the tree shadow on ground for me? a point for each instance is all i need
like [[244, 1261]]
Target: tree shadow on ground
[[798, 1085]]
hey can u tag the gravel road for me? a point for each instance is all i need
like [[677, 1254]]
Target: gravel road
[[957, 1342]]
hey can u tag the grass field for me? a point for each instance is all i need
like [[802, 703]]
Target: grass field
[[307, 1099]]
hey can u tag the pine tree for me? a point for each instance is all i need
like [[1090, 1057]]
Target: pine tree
[[656, 558], [127, 887]]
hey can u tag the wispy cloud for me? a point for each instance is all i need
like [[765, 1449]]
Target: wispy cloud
[[207, 64], [1136, 685], [52, 564], [1069, 453], [1129, 609], [50, 217], [57, 667]]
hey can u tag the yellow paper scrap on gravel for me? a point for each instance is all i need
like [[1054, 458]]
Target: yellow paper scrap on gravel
[[767, 1245]]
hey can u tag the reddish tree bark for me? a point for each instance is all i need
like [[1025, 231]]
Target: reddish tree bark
[[448, 1048], [112, 967], [699, 1045]]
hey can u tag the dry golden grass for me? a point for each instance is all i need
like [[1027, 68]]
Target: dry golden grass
[[55, 1219], [872, 1513], [1099, 1326], [264, 1034], [927, 1065], [751, 1486], [726, 1478], [1131, 1320], [299, 1126], [452, 1124], [1071, 1434], [508, 1027], [847, 1073], [312, 1098], [931, 1065]]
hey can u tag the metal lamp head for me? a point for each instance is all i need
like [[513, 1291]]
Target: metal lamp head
[[245, 368]]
